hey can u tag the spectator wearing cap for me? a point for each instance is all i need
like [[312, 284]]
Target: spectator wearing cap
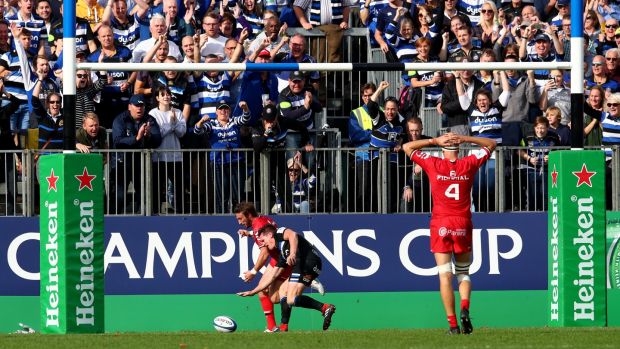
[[296, 54], [229, 163], [132, 129], [563, 10], [296, 102], [126, 27], [271, 134], [542, 53], [607, 39], [387, 132], [600, 76]]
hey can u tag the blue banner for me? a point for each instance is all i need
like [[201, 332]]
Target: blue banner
[[361, 253]]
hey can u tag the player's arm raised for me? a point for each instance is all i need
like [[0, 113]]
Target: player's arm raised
[[265, 282], [441, 141], [483, 142]]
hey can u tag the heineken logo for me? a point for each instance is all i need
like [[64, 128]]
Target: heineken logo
[[554, 178], [85, 311], [583, 307], [86, 180], [554, 278], [51, 252], [584, 176], [51, 182]]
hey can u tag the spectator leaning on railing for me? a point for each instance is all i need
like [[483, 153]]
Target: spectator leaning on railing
[[91, 136], [271, 134]]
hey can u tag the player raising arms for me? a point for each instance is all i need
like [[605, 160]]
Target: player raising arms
[[297, 252], [451, 180], [246, 215]]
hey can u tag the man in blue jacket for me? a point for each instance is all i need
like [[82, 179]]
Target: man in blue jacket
[[132, 129]]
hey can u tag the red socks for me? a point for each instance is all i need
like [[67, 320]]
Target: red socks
[[452, 321], [267, 306], [465, 304]]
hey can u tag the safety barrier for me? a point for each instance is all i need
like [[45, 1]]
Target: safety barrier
[[332, 180]]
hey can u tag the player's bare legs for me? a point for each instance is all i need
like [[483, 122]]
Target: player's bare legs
[[461, 265], [444, 265], [295, 297]]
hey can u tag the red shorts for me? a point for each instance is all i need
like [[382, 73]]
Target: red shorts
[[451, 235]]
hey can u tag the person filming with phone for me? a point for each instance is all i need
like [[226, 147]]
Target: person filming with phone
[[556, 94]]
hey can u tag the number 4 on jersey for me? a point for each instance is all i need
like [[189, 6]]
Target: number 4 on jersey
[[453, 191]]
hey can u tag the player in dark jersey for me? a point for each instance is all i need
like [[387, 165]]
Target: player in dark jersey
[[246, 215], [297, 252], [451, 180]]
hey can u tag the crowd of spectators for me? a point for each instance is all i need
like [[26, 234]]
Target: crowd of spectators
[[227, 110]]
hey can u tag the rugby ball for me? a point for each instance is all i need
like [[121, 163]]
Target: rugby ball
[[224, 324]]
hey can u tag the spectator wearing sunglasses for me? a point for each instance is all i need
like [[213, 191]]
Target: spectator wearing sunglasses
[[600, 77], [607, 38]]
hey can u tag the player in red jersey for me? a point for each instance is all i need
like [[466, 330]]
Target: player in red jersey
[[451, 179], [246, 215]]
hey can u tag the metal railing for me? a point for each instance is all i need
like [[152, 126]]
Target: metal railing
[[342, 180]]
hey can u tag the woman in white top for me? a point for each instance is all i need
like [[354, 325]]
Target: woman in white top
[[167, 165]]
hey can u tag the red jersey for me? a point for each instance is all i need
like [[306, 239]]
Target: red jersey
[[451, 181], [257, 225]]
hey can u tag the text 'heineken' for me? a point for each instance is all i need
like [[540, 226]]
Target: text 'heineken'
[[72, 249], [576, 248]]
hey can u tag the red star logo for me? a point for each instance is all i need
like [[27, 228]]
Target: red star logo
[[86, 180], [51, 182], [554, 178], [584, 177]]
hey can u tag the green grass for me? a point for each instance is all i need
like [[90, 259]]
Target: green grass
[[427, 338]]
